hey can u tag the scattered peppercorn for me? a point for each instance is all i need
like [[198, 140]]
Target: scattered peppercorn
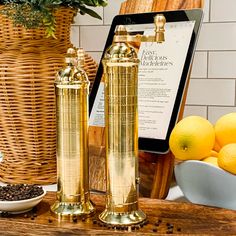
[[94, 221], [169, 232], [100, 223], [4, 214], [49, 220], [74, 218], [154, 229], [146, 222], [178, 229]]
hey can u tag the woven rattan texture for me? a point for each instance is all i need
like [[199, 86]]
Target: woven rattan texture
[[28, 65], [63, 15], [27, 111]]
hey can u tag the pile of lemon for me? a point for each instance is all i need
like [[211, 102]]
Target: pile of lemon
[[195, 138]]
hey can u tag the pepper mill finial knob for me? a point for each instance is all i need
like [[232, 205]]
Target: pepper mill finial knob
[[160, 22]]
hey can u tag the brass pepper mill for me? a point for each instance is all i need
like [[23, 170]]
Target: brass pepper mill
[[72, 90], [121, 120]]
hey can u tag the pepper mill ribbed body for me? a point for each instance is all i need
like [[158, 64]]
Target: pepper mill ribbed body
[[72, 90], [121, 120]]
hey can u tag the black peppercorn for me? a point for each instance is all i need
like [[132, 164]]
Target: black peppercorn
[[94, 221], [154, 229], [170, 226], [146, 222], [169, 232], [18, 192]]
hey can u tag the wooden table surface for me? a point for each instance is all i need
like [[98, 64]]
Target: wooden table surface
[[186, 218]]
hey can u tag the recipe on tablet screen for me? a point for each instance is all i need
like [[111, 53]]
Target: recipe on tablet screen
[[160, 71]]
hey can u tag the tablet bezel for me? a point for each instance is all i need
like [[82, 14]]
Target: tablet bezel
[[147, 144]]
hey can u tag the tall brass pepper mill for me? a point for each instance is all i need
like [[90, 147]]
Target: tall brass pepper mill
[[121, 119], [72, 89]]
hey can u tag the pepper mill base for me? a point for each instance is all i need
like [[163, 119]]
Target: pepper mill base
[[68, 211], [127, 218]]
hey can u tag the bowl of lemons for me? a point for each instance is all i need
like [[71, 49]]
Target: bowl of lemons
[[204, 183], [207, 171]]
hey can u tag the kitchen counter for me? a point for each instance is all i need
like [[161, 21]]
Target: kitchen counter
[[185, 218]]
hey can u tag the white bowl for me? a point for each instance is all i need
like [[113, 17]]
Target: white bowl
[[21, 206], [203, 183]]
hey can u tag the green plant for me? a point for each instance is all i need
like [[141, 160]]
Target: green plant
[[38, 13]]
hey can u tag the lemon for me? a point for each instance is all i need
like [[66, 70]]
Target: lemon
[[225, 129], [212, 153], [192, 138], [216, 147], [211, 160], [227, 158]]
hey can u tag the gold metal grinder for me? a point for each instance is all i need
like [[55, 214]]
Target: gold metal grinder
[[72, 90], [121, 120]]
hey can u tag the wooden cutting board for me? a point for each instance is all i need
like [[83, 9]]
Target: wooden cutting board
[[186, 219]]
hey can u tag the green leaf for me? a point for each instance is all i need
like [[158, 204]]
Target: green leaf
[[90, 12], [38, 13]]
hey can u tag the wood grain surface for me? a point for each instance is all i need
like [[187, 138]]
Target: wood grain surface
[[186, 218], [138, 6]]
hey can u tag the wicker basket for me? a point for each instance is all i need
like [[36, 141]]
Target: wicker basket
[[28, 64], [64, 17]]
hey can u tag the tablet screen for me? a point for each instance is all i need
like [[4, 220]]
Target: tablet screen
[[162, 76], [160, 71]]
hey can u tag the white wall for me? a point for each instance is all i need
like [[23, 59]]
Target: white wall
[[213, 82]]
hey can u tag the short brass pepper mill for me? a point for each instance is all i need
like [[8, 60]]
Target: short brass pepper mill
[[72, 89], [121, 120]]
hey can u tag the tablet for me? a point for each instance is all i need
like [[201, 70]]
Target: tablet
[[162, 77]]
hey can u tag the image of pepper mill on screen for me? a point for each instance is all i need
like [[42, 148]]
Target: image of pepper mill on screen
[[120, 64]]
